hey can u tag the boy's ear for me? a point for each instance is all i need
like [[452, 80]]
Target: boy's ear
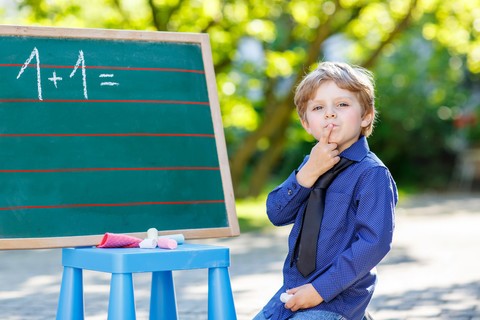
[[367, 119]]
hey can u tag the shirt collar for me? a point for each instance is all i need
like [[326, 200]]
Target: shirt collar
[[357, 151]]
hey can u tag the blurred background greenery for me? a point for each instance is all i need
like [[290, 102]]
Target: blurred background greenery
[[425, 55]]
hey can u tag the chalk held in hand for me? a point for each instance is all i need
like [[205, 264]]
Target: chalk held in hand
[[148, 243], [284, 297]]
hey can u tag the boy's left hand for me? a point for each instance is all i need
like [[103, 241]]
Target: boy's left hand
[[304, 297]]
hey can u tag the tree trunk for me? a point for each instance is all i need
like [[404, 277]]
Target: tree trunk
[[269, 159], [244, 154]]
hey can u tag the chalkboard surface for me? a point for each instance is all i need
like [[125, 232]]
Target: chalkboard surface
[[109, 131]]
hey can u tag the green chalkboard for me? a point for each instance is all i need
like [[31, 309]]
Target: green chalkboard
[[109, 131]]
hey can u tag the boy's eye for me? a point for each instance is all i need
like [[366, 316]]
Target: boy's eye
[[343, 104], [317, 108]]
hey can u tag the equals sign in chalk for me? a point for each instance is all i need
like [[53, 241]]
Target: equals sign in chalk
[[107, 83]]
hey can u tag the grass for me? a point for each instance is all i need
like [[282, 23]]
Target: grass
[[252, 214]]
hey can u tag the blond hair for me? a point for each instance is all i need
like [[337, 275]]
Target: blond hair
[[352, 78]]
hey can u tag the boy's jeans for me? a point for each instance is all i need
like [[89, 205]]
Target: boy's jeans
[[308, 315]]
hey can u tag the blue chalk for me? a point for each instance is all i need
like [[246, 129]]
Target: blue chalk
[[177, 237]]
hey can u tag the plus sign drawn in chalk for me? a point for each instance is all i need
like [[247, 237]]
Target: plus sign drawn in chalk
[[55, 79]]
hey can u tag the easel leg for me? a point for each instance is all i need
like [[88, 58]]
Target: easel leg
[[163, 305], [70, 302], [220, 296], [121, 305]]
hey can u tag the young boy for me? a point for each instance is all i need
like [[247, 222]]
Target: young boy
[[336, 106]]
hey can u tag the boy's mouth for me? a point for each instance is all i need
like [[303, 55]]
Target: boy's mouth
[[331, 124]]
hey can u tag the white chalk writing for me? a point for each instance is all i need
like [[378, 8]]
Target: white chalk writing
[[107, 83], [81, 60], [55, 79], [25, 65]]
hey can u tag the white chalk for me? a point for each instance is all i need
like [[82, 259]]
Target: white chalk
[[148, 243], [169, 241], [152, 233], [284, 297]]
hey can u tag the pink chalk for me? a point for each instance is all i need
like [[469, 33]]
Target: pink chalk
[[166, 243]]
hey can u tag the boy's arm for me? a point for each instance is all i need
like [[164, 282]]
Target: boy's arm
[[375, 223], [284, 202], [323, 156]]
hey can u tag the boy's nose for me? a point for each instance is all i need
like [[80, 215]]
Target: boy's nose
[[330, 115]]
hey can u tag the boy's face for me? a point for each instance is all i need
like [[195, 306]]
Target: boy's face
[[339, 107]]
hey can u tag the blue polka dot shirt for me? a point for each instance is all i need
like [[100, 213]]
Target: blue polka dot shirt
[[355, 235]]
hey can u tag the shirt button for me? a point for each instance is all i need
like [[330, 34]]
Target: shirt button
[[290, 192]]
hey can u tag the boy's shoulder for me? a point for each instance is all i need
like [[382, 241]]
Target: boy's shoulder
[[360, 152], [373, 160], [368, 163]]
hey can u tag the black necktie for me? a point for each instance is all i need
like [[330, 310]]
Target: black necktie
[[312, 220]]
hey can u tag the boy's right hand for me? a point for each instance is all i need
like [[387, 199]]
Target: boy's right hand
[[303, 297], [323, 156]]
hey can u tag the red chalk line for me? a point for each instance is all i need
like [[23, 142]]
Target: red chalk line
[[133, 134], [108, 169], [106, 68], [127, 204], [202, 103]]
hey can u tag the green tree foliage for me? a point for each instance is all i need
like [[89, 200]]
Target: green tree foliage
[[425, 54]]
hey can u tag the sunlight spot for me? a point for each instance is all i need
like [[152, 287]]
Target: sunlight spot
[[263, 144], [243, 116], [329, 8], [455, 63], [476, 24], [40, 282], [300, 12], [228, 88], [444, 113], [429, 31], [263, 29], [313, 22], [11, 295], [399, 80], [211, 8]]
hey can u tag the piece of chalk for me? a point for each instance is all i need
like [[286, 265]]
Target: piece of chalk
[[166, 243], [284, 297], [152, 233], [179, 238], [148, 243]]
